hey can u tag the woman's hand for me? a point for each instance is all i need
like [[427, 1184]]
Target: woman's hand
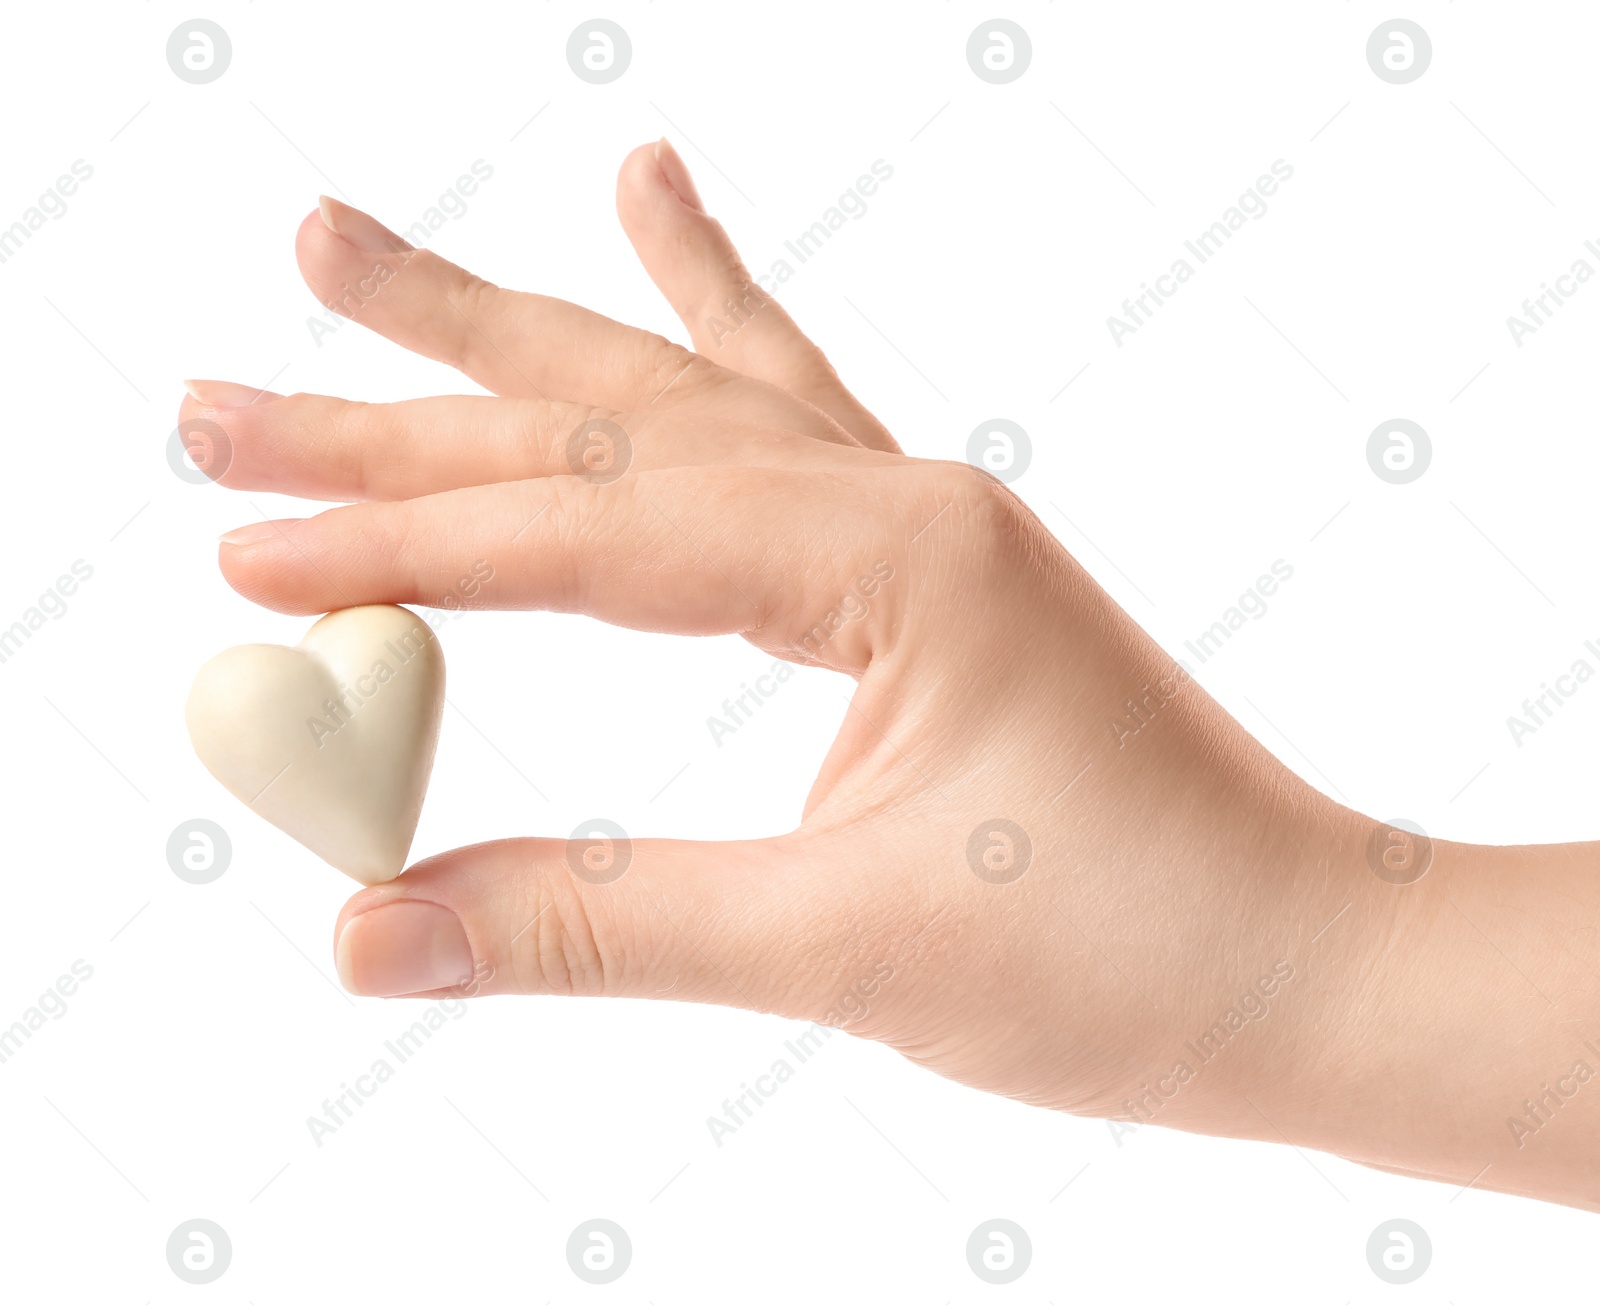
[[1038, 858]]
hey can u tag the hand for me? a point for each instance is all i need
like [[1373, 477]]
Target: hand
[[1037, 859]]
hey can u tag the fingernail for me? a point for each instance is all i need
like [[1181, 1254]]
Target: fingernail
[[227, 394], [401, 948], [677, 175], [259, 532], [361, 229]]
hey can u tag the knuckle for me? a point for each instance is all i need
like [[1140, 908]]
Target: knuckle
[[404, 532], [560, 952], [570, 542], [561, 433], [987, 511], [396, 539], [474, 302], [669, 366], [348, 429], [541, 429]]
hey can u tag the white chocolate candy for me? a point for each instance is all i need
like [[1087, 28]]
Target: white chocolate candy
[[331, 741]]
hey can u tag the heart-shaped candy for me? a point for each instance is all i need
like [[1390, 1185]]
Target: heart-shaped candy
[[331, 741]]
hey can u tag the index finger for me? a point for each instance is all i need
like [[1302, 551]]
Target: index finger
[[684, 550]]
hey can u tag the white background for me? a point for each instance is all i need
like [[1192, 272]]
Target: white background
[[178, 1083]]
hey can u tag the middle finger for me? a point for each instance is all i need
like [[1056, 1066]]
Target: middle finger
[[319, 447]]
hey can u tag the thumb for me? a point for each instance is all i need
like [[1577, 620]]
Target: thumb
[[749, 924], [732, 319]]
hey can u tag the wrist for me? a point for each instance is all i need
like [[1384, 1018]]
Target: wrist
[[1443, 1021]]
